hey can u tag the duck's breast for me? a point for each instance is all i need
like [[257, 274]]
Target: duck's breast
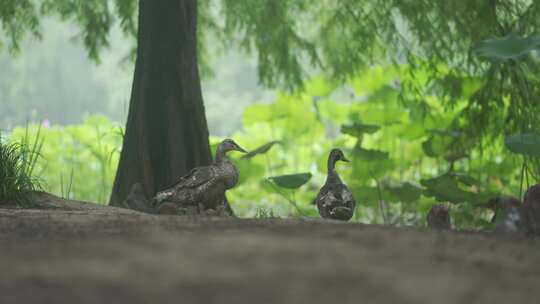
[[230, 174]]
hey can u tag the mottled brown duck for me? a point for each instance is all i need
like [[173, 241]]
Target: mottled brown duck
[[205, 186]]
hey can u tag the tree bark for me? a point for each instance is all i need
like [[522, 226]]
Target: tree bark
[[166, 132]]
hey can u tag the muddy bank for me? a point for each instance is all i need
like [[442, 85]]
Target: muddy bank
[[119, 256]]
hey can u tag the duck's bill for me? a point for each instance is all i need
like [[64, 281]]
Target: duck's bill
[[239, 149], [345, 160]]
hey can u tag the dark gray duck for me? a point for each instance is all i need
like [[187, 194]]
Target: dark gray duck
[[335, 200], [205, 187]]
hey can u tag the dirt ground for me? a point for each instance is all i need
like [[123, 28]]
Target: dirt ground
[[108, 255]]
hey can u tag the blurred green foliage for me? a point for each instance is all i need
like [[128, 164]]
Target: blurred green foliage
[[293, 38], [77, 161], [406, 152], [405, 155], [17, 164], [425, 131]]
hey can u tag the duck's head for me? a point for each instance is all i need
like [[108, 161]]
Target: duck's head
[[337, 154], [229, 145]]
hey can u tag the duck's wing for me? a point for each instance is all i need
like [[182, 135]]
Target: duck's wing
[[196, 177], [325, 201], [342, 213], [341, 195], [342, 205], [347, 197], [323, 197]]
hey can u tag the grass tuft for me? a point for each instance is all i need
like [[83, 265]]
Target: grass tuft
[[17, 162], [263, 213]]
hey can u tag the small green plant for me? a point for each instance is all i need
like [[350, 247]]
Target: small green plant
[[17, 162], [286, 185], [66, 190], [89, 149], [528, 146], [264, 213]]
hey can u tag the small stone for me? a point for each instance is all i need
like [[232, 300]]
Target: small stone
[[168, 209], [512, 222], [438, 218], [531, 210], [501, 206]]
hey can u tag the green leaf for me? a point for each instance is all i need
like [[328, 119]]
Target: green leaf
[[386, 94], [427, 147], [366, 195], [466, 179], [260, 150], [249, 170], [370, 155], [409, 131], [319, 86], [406, 192], [333, 111], [380, 114], [510, 47], [525, 144], [440, 142], [367, 170], [258, 113], [373, 79], [291, 181], [266, 185], [445, 188], [449, 133], [359, 129]]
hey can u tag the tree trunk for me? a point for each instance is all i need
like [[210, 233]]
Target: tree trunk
[[166, 132]]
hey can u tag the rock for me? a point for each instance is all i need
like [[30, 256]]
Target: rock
[[531, 210], [519, 218], [222, 209], [507, 215], [501, 206], [511, 222], [170, 205], [168, 208], [137, 200], [438, 218]]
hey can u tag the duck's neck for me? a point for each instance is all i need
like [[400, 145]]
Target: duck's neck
[[332, 167], [221, 156]]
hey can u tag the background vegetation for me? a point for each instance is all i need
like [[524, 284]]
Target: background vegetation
[[433, 101], [52, 79], [405, 156]]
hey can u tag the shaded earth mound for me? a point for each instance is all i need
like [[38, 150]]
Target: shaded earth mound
[[82, 253]]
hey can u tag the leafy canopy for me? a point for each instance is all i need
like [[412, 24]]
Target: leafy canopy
[[447, 40]]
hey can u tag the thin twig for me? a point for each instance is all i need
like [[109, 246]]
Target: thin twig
[[381, 203], [521, 179]]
